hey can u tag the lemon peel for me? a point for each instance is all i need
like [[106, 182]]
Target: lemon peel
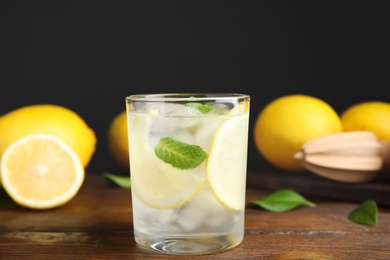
[[49, 119]]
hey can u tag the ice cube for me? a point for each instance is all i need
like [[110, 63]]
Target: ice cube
[[205, 132], [185, 111], [204, 210], [220, 109], [181, 117], [160, 108], [149, 216]]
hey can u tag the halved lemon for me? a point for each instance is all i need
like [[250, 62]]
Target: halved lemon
[[156, 183], [41, 171], [227, 160]]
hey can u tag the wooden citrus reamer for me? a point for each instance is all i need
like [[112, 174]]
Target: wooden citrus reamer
[[356, 156]]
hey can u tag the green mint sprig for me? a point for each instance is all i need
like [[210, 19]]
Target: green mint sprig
[[178, 154], [121, 181], [204, 109], [365, 213], [281, 200]]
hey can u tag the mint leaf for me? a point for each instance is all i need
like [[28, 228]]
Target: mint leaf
[[121, 181], [281, 200], [204, 109], [178, 154], [5, 200], [366, 213]]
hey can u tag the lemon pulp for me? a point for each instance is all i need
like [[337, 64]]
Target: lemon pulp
[[41, 171], [226, 164]]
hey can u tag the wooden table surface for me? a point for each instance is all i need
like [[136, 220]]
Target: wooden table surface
[[97, 224]]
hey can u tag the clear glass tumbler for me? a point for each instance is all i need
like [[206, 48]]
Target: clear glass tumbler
[[188, 165]]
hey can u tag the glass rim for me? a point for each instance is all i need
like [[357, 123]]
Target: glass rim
[[200, 96]]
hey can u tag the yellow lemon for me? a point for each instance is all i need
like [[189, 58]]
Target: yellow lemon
[[49, 119], [118, 140], [286, 123], [41, 171], [372, 116]]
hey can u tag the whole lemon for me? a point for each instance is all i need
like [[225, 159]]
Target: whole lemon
[[286, 123], [49, 119], [372, 116], [118, 140]]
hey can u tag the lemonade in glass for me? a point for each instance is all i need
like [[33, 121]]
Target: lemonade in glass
[[188, 164]]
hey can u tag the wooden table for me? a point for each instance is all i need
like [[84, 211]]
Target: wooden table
[[97, 224]]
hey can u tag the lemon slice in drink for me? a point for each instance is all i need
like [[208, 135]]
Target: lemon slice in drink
[[226, 164], [41, 171], [156, 183]]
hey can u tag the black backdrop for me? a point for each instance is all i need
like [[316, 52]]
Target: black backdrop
[[89, 55]]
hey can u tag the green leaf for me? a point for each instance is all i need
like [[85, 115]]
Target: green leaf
[[178, 154], [365, 213], [121, 181], [204, 109], [5, 201], [281, 200]]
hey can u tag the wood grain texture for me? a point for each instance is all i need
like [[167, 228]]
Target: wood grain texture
[[97, 224]]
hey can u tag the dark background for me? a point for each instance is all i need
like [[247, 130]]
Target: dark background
[[89, 55]]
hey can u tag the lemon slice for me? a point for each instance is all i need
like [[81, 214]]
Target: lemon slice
[[41, 171], [156, 183], [226, 164]]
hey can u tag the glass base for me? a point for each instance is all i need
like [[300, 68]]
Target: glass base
[[190, 245]]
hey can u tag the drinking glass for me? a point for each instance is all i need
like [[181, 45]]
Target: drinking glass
[[188, 165]]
